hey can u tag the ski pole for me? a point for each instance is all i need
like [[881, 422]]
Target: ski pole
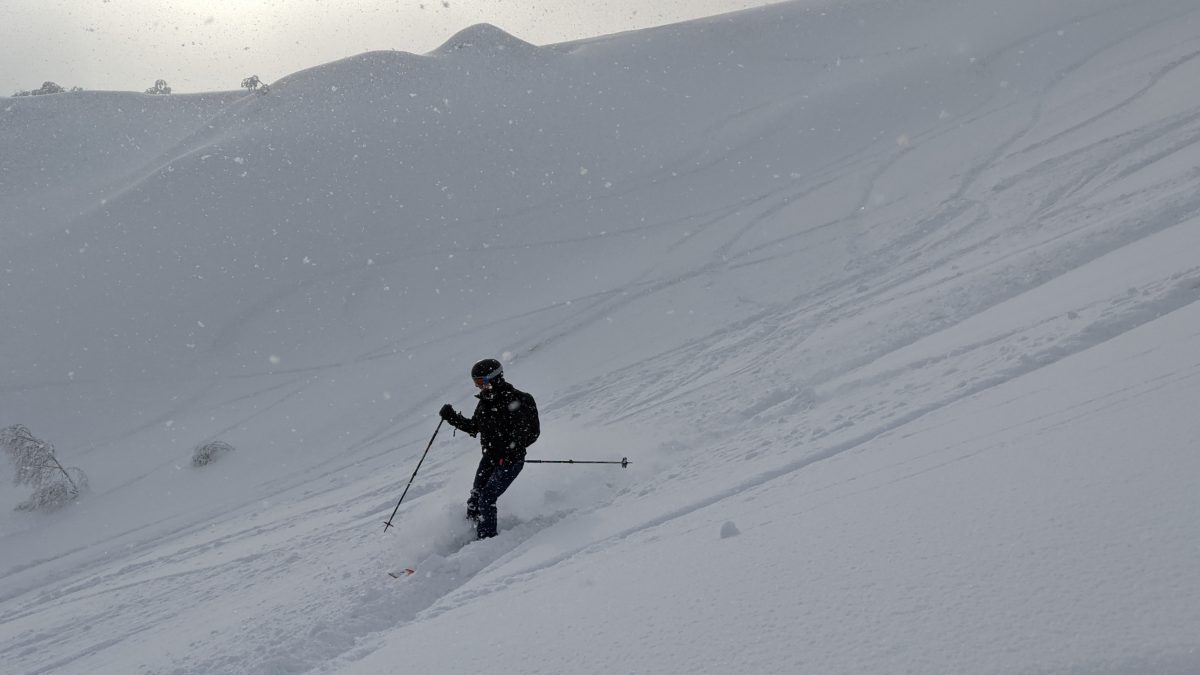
[[624, 461], [410, 480]]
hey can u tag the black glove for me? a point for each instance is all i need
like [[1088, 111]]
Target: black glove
[[447, 412]]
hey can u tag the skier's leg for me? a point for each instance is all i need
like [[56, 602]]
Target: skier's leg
[[501, 478], [482, 475]]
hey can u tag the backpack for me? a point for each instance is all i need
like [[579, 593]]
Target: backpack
[[526, 427]]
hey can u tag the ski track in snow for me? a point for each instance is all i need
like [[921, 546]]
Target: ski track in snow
[[1125, 313]]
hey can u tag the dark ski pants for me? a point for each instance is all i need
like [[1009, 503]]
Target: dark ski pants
[[491, 480]]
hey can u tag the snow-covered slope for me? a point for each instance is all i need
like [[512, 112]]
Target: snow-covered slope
[[892, 305]]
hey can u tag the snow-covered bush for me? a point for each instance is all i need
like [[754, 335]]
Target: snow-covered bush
[[160, 87], [46, 88], [207, 453], [35, 465]]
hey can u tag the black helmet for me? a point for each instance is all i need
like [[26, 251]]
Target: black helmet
[[487, 371]]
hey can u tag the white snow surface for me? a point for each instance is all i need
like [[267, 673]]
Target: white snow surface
[[892, 305]]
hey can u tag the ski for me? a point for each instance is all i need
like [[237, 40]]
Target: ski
[[406, 572]]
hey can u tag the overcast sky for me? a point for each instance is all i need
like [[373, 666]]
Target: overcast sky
[[204, 45]]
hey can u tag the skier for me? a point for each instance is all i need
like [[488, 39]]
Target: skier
[[506, 420]]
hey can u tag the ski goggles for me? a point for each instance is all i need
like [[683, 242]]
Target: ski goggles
[[486, 380]]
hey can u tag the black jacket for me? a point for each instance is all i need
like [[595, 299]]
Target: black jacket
[[506, 420]]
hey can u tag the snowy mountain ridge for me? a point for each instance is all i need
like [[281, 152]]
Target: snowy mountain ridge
[[892, 305]]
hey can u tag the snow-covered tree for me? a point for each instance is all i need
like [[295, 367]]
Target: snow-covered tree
[[253, 83], [35, 465], [160, 87], [48, 88], [207, 453]]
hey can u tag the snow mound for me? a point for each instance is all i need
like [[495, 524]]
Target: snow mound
[[366, 72], [487, 40]]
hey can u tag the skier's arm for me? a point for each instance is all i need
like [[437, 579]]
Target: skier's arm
[[459, 422]]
